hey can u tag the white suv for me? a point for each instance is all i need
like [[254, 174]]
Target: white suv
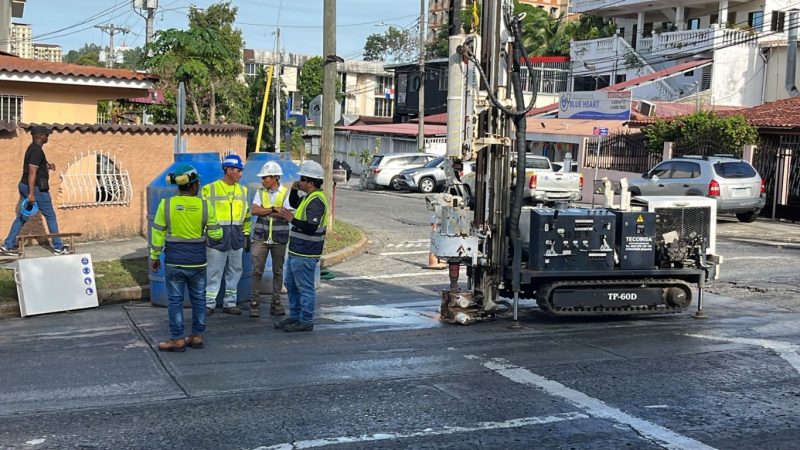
[[384, 170]]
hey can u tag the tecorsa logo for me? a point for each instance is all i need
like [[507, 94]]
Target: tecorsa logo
[[565, 101]]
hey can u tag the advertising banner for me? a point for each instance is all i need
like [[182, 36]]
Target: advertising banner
[[595, 105]]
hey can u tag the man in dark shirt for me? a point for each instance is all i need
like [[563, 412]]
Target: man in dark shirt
[[34, 186]]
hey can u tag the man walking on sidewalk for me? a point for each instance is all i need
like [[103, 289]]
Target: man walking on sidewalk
[[229, 199], [179, 228], [306, 240], [270, 235], [34, 186]]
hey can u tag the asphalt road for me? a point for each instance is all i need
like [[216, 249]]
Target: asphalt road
[[379, 371]]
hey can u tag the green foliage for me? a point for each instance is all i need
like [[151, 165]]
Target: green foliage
[[88, 55], [632, 62], [309, 82], [394, 45], [729, 133], [206, 57], [589, 26]]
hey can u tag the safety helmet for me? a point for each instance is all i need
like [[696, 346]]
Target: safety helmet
[[183, 175], [232, 160], [270, 168], [28, 209], [311, 169]]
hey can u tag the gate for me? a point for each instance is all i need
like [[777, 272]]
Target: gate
[[703, 147], [777, 160]]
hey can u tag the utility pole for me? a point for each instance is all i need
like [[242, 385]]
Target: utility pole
[[149, 7], [421, 111], [112, 30], [328, 92], [278, 93]]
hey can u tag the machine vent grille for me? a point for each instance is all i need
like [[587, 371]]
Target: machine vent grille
[[684, 221]]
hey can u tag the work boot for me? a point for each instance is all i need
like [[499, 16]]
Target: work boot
[[209, 311], [172, 345], [283, 323], [232, 310], [254, 309], [298, 326], [195, 341], [276, 309]]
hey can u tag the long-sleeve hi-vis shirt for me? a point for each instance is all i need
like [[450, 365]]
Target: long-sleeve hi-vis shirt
[[180, 228], [232, 207]]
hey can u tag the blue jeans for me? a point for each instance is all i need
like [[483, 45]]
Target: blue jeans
[[179, 278], [45, 205], [299, 280]]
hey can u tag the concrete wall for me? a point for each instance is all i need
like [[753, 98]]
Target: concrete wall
[[737, 76], [143, 151]]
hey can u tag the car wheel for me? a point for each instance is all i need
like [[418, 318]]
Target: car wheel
[[747, 217], [427, 185], [395, 183]]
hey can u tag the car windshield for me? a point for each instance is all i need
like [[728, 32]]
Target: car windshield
[[435, 162], [734, 169], [536, 163]]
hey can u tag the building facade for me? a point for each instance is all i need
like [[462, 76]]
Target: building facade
[[47, 52], [741, 41], [22, 40]]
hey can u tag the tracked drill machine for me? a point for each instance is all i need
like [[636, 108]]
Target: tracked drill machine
[[641, 256]]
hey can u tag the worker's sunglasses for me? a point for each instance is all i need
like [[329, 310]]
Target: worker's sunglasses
[[305, 179]]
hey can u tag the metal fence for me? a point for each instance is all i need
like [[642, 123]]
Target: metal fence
[[94, 179], [777, 160], [704, 147], [626, 152]]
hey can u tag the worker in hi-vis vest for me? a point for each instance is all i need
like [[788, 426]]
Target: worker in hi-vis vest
[[231, 204], [180, 228], [270, 235], [306, 240]]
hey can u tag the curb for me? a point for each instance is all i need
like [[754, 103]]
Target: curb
[[139, 293]]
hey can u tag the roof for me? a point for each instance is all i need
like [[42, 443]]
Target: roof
[[15, 65], [434, 119], [407, 129], [664, 73], [202, 128], [416, 63], [153, 97], [668, 110], [778, 114]]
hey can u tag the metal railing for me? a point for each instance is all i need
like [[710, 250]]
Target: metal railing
[[94, 179]]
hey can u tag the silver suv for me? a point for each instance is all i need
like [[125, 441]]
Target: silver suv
[[384, 170], [732, 182]]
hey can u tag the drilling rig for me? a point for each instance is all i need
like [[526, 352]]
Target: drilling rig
[[643, 256]]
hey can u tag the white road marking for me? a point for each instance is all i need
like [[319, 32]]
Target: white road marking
[[592, 406], [414, 252], [35, 442], [789, 352], [427, 273], [481, 426], [743, 258]]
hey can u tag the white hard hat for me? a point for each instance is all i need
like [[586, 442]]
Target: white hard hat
[[311, 169], [270, 168]]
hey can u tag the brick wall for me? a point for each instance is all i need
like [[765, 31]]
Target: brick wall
[[143, 151]]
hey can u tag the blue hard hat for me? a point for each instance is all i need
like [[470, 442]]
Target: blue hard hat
[[232, 160], [28, 209]]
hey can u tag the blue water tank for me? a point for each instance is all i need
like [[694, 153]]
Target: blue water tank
[[209, 166]]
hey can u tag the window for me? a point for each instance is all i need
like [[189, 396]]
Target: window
[[382, 84], [647, 31], [778, 19], [554, 12], [250, 69], [591, 82], [10, 108], [694, 24], [713, 18], [661, 170], [94, 179], [402, 88], [685, 170], [443, 78], [383, 107], [731, 18], [620, 78], [735, 169], [755, 19]]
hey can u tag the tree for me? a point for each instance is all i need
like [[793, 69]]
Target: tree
[[206, 58], [394, 45], [309, 82], [729, 133], [88, 55], [590, 26]]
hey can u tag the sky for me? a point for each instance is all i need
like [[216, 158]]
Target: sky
[[71, 23]]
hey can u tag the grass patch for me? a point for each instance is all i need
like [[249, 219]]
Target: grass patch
[[134, 272]]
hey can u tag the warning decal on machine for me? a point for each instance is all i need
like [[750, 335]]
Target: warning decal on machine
[[640, 219], [638, 243]]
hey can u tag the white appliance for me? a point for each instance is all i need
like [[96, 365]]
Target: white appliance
[[55, 283], [683, 214]]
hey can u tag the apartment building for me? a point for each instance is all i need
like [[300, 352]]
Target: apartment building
[[727, 53], [47, 52], [22, 40]]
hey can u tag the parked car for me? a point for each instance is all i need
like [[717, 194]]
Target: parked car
[[384, 170], [337, 164], [426, 179], [732, 182]]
